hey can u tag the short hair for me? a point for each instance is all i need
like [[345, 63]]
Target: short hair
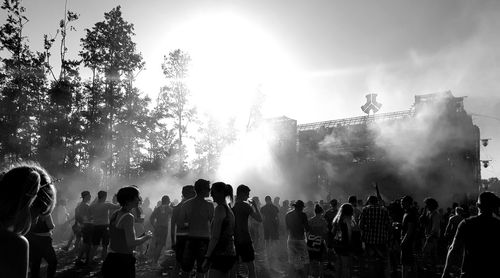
[[431, 203], [242, 189], [407, 199], [353, 200], [488, 201], [318, 209], [165, 200], [334, 202], [201, 185], [102, 194], [268, 198], [127, 194], [188, 191]]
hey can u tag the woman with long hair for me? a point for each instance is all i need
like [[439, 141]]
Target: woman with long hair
[[120, 261], [27, 193], [221, 253], [342, 233]]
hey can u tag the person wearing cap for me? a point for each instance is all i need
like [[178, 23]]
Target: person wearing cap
[[83, 221], [159, 220], [297, 225], [242, 210], [178, 232], [476, 245]]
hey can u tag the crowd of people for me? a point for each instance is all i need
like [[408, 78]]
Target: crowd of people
[[221, 238]]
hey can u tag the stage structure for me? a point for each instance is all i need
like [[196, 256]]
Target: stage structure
[[431, 149]]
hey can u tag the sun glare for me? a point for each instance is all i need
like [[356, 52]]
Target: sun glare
[[231, 59]]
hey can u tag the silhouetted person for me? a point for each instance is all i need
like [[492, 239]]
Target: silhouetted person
[[329, 216], [318, 229], [270, 221], [83, 221], [297, 225], [120, 261], [159, 220], [221, 253], [40, 239], [452, 226], [99, 213], [243, 242], [179, 232], [342, 236], [375, 224], [432, 229], [409, 235], [197, 213], [25, 189], [477, 243]]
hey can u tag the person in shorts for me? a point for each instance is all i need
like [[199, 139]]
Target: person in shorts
[[243, 242], [99, 213], [197, 213]]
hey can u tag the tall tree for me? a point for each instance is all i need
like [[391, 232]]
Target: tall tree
[[60, 137], [174, 99], [108, 49], [22, 88]]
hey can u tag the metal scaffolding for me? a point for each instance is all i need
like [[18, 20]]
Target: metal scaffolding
[[357, 120]]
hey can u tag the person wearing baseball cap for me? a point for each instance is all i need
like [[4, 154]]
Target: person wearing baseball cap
[[476, 245]]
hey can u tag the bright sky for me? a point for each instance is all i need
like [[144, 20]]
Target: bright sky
[[314, 60]]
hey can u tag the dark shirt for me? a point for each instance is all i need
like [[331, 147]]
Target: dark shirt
[[477, 240], [270, 216], [241, 212], [13, 255], [375, 224], [329, 215], [410, 217], [296, 224]]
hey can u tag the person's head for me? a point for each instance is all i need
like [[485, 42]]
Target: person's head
[[346, 211], [202, 188], [165, 200], [102, 195], [298, 205], [286, 203], [85, 196], [146, 202], [276, 201], [431, 204], [406, 202], [372, 200], [353, 200], [27, 192], [188, 192], [488, 202], [220, 191], [318, 210], [268, 200], [242, 192], [459, 211], [128, 197], [334, 203]]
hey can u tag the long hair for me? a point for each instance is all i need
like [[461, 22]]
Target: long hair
[[27, 191], [345, 211]]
